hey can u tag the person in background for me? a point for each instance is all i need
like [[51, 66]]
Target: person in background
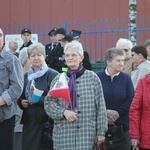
[[118, 92], [141, 64], [49, 47], [34, 115], [56, 60], [126, 45], [13, 45], [83, 122], [86, 61], [23, 57], [26, 37], [147, 45], [11, 86], [65, 40], [139, 115]]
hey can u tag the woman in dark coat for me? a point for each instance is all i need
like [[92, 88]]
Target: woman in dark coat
[[39, 76]]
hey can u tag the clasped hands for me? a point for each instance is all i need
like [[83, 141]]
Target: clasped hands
[[112, 116], [26, 103]]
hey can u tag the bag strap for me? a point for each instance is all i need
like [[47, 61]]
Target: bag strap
[[103, 145]]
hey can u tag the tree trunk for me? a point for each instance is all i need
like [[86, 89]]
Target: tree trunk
[[132, 21]]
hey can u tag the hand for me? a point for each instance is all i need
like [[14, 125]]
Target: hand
[[70, 115], [112, 115], [25, 103], [135, 142], [31, 102], [99, 140], [110, 122], [2, 102]]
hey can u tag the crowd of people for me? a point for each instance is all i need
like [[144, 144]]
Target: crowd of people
[[117, 96]]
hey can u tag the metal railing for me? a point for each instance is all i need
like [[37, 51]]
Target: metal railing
[[97, 35]]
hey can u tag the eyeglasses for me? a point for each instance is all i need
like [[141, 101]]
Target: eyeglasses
[[132, 55], [126, 50]]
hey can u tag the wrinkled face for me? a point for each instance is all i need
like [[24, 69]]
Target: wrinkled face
[[73, 58], [26, 37], [116, 64], [36, 59], [127, 53], [13, 45], [148, 50], [1, 39]]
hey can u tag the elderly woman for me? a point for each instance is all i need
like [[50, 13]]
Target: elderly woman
[[118, 92], [24, 59], [40, 77], [82, 122]]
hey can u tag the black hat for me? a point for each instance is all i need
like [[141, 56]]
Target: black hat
[[67, 37], [60, 31], [52, 31], [26, 30], [75, 33]]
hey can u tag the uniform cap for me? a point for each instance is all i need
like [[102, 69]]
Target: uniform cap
[[52, 31], [60, 31], [26, 30], [67, 37], [75, 33]]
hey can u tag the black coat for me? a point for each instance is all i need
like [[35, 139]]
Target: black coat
[[86, 61], [34, 116], [29, 43], [53, 57]]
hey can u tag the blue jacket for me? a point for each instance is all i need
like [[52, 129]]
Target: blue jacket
[[118, 94]]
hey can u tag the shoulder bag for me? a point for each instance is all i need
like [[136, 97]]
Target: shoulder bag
[[114, 137]]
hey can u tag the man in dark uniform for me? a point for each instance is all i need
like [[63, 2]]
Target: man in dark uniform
[[54, 57], [26, 37], [86, 61], [49, 47]]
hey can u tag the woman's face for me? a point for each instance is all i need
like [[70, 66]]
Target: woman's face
[[116, 64], [36, 59], [73, 58]]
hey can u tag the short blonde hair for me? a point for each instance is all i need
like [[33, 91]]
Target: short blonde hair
[[38, 47]]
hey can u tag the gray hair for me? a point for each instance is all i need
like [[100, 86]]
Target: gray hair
[[124, 44], [38, 47], [23, 56], [112, 53], [74, 45]]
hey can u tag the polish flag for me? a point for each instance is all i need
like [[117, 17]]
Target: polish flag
[[61, 89]]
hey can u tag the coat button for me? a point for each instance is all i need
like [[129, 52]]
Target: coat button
[[79, 112], [78, 127], [78, 95]]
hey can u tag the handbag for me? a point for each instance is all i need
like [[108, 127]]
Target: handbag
[[114, 137], [47, 140]]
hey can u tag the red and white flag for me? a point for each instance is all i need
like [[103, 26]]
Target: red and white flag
[[61, 89]]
